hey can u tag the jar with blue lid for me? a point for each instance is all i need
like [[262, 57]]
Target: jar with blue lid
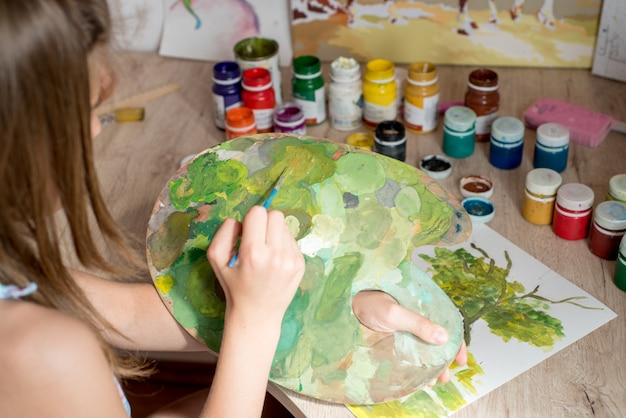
[[459, 132], [226, 90], [551, 147], [507, 143]]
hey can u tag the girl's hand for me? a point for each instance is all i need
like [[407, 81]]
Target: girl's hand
[[263, 281], [379, 311]]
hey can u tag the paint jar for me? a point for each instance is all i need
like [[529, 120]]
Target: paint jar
[[390, 139], [308, 88], [226, 90], [459, 131], [551, 147], [345, 94], [240, 122], [436, 166], [507, 143], [540, 195], [572, 211], [289, 118], [617, 188], [261, 53], [258, 95], [363, 140], [620, 266], [421, 98], [380, 91], [607, 229], [483, 98]]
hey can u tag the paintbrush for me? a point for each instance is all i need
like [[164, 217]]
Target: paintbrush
[[266, 205]]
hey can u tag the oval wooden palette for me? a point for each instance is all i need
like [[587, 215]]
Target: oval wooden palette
[[358, 217]]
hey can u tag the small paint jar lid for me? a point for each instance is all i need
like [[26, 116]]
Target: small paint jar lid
[[507, 130], [543, 182], [610, 215], [479, 209], [460, 118], [575, 197], [553, 135], [363, 140], [289, 118], [617, 188], [476, 186], [436, 166]]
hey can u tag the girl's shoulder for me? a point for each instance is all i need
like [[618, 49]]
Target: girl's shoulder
[[33, 334], [51, 360]]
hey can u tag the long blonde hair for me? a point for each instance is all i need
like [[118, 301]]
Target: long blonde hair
[[46, 155]]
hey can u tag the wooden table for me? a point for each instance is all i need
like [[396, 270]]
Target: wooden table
[[588, 378]]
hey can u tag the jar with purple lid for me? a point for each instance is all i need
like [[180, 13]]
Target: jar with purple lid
[[289, 118]]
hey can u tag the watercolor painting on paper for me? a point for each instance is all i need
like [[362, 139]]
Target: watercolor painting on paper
[[357, 217], [529, 33], [517, 312], [208, 29]]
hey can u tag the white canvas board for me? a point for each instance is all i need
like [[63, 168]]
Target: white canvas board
[[208, 29], [610, 53], [500, 360]]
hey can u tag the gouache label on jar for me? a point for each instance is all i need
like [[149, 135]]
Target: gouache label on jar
[[313, 106], [264, 118], [483, 123], [374, 113], [422, 118], [222, 106]]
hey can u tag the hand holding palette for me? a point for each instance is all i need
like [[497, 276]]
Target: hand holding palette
[[358, 217]]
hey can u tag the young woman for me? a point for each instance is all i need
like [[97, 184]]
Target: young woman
[[59, 326]]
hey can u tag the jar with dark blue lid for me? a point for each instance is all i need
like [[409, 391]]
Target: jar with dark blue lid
[[507, 143], [226, 90]]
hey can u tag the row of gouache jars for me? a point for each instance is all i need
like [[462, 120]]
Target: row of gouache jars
[[569, 208]]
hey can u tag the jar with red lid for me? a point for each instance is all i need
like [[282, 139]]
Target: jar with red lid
[[483, 98], [607, 229], [258, 95], [572, 211]]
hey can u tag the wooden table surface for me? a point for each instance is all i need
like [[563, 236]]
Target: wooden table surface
[[588, 378]]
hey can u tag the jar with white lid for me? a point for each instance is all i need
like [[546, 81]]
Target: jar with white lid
[[617, 188], [551, 147], [345, 94], [539, 195], [507, 143], [607, 229], [572, 211]]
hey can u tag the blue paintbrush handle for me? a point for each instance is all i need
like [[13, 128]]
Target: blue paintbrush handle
[[266, 205]]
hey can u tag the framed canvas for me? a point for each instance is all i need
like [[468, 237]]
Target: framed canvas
[[532, 33]]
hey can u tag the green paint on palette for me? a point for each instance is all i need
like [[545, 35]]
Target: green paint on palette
[[167, 243], [357, 217]]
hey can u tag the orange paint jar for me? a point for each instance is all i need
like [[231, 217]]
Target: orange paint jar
[[240, 122]]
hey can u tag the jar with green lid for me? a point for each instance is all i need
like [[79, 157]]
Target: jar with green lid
[[308, 88], [459, 132], [380, 92], [617, 188]]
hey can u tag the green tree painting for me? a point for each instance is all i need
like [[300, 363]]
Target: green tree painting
[[481, 289]]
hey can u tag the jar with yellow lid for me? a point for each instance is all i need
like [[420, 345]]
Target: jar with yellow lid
[[421, 98], [380, 91]]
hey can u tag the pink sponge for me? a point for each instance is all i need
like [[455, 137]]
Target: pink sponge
[[586, 127]]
